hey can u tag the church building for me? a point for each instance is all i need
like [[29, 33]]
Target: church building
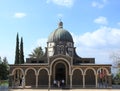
[[60, 65]]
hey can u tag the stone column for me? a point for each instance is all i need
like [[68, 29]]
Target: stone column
[[49, 81], [83, 80], [70, 80], [109, 81], [23, 81], [36, 80], [96, 76]]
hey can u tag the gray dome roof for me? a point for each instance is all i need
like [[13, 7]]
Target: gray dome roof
[[60, 34]]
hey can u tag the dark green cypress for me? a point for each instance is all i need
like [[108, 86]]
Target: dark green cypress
[[17, 50], [21, 52]]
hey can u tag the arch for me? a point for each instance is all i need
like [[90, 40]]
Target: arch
[[43, 77], [102, 76], [17, 74], [65, 75], [77, 73], [56, 63], [103, 69], [91, 69], [90, 77], [60, 59], [17, 69], [29, 69], [30, 77], [43, 69], [78, 69]]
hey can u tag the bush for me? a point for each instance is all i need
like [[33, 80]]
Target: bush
[[4, 83]]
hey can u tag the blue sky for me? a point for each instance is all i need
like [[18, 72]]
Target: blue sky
[[94, 25]]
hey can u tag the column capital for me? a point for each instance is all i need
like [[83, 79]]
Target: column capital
[[83, 74], [36, 74], [96, 74], [49, 74], [70, 74]]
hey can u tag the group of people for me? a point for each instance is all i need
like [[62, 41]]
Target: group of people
[[59, 83]]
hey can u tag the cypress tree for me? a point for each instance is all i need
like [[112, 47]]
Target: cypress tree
[[21, 52], [17, 50]]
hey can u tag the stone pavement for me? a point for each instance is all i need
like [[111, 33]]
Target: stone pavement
[[64, 90], [114, 88]]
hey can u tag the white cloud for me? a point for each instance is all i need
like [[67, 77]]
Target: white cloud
[[102, 37], [98, 44], [101, 20], [99, 4], [19, 15], [66, 3]]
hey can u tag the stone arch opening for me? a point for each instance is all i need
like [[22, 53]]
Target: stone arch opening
[[17, 73], [102, 76], [30, 77], [77, 78], [43, 78], [62, 60], [60, 71], [90, 78]]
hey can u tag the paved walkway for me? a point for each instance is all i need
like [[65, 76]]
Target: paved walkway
[[114, 88], [64, 90]]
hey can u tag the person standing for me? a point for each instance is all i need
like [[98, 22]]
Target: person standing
[[58, 83], [54, 83], [63, 83], [23, 82]]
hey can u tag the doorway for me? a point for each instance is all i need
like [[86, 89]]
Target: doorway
[[60, 72]]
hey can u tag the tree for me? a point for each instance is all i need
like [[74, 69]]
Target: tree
[[17, 50], [21, 60], [5, 62], [19, 53], [115, 56], [0, 60], [4, 69], [3, 72], [37, 53]]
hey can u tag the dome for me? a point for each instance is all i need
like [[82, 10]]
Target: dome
[[60, 34]]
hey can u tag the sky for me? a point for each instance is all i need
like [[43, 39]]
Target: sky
[[94, 25]]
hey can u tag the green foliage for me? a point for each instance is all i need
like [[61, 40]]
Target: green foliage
[[4, 83], [37, 53], [17, 50], [0, 60], [117, 77], [21, 52], [4, 69]]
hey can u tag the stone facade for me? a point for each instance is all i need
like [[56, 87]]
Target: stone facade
[[59, 63]]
